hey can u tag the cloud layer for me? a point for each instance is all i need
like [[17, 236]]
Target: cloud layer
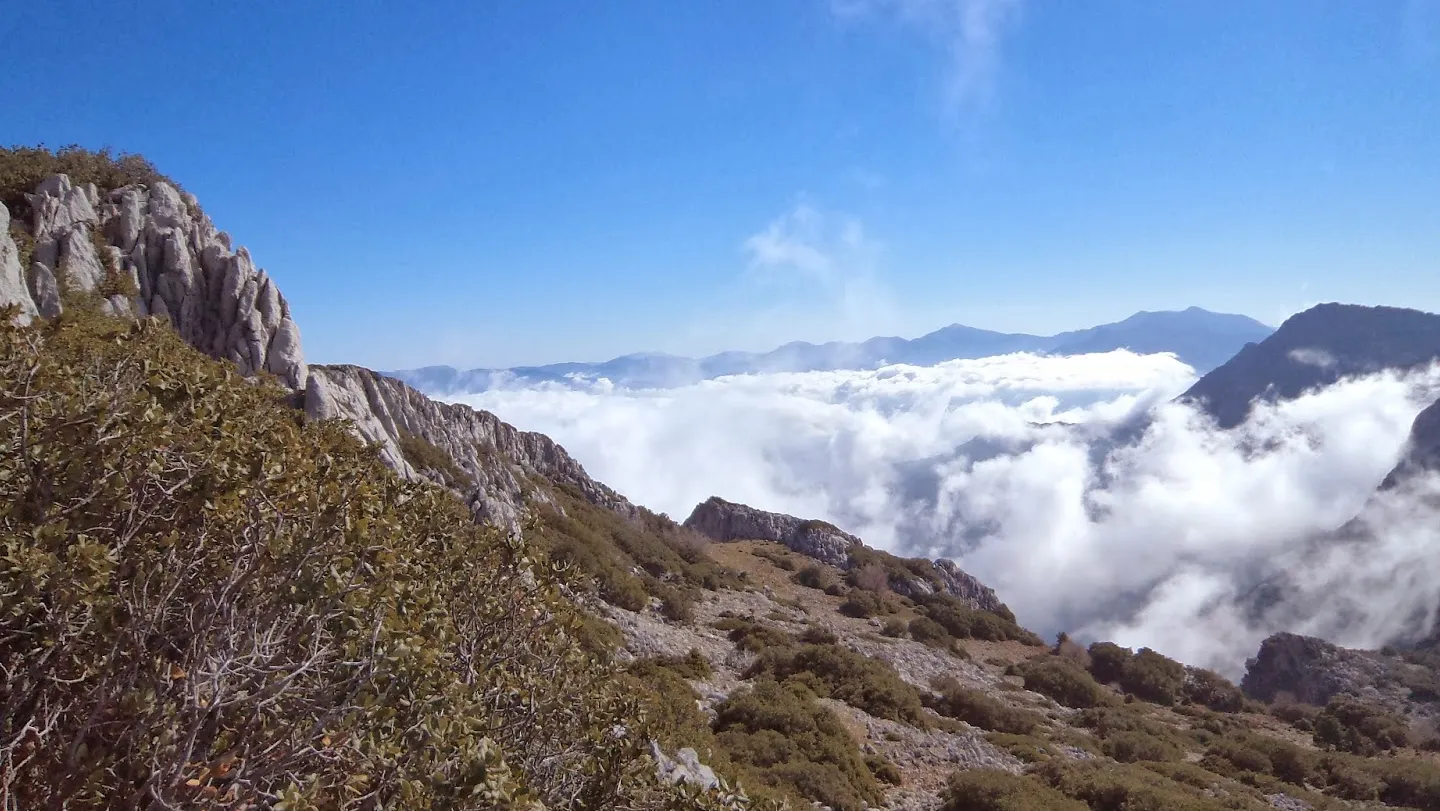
[[1071, 485]]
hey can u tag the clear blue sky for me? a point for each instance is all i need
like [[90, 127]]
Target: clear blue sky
[[518, 181]]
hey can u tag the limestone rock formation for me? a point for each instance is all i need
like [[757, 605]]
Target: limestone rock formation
[[1312, 671], [151, 251], [722, 520], [492, 461]]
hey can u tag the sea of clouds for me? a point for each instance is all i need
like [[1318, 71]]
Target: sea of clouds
[[1072, 485]]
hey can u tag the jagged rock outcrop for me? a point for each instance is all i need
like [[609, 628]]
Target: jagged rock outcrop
[[13, 289], [492, 460], [722, 520], [1312, 671], [684, 767], [151, 251]]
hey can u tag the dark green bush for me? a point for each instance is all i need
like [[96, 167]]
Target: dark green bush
[[836, 672], [1210, 689], [994, 790], [980, 710], [930, 632], [749, 635], [963, 622], [862, 604], [1062, 680], [894, 627], [794, 745], [22, 168], [1350, 725], [884, 771], [815, 635], [813, 576]]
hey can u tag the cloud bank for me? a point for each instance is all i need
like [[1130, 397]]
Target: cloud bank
[[1071, 485]]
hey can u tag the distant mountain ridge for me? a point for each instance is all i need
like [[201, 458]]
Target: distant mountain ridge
[[1200, 338]]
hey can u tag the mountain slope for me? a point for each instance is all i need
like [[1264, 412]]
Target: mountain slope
[[1200, 338], [1316, 348]]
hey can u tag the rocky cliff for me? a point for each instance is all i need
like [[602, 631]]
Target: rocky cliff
[[1312, 671], [496, 468], [150, 251], [722, 520]]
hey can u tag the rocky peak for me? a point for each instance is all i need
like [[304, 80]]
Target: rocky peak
[[1312, 671], [487, 461], [724, 521], [149, 250]]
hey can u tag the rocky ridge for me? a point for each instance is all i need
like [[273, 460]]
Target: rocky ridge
[[494, 459], [151, 251], [724, 521]]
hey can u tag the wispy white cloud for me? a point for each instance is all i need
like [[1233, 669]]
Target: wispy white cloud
[[1009, 465], [971, 32]]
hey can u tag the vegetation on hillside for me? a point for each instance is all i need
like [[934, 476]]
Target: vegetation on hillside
[[23, 167], [209, 602]]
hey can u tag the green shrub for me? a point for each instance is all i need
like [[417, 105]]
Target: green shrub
[[963, 622], [812, 576], [1145, 674], [835, 672], [1230, 757], [930, 632], [749, 635], [22, 168], [795, 745], [815, 635], [994, 790], [884, 771], [980, 710], [1063, 681], [864, 604], [693, 665], [209, 601], [677, 605], [1102, 786], [1133, 745], [1108, 661], [1350, 725], [1210, 689], [425, 456]]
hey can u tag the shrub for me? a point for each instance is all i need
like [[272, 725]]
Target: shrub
[[1228, 757], [425, 456], [994, 790], [1067, 648], [894, 627], [870, 577], [812, 576], [964, 622], [208, 601], [677, 605], [1145, 674], [980, 710], [930, 632], [815, 635], [884, 771], [1131, 746], [1061, 680], [863, 605], [693, 665], [794, 745], [1287, 709], [749, 635], [1208, 688], [835, 672], [22, 168], [1349, 725]]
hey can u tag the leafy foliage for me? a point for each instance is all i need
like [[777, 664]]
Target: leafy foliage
[[23, 167], [795, 745], [1351, 725], [837, 672], [994, 790], [208, 602], [1063, 680], [980, 710]]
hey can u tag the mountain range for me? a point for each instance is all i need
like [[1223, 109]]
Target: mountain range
[[217, 597], [1198, 337]]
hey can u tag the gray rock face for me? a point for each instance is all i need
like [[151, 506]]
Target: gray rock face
[[1313, 671], [13, 289], [182, 267], [684, 767], [493, 458], [722, 520]]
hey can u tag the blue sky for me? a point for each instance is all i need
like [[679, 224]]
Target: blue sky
[[519, 182]]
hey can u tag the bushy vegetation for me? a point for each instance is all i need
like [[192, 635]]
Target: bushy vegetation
[[631, 560], [753, 636], [1350, 725], [833, 671], [995, 790], [793, 744], [209, 602], [963, 622], [954, 700], [1063, 680], [23, 167], [422, 455], [813, 576]]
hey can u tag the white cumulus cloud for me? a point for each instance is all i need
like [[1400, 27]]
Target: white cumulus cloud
[[1072, 485]]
